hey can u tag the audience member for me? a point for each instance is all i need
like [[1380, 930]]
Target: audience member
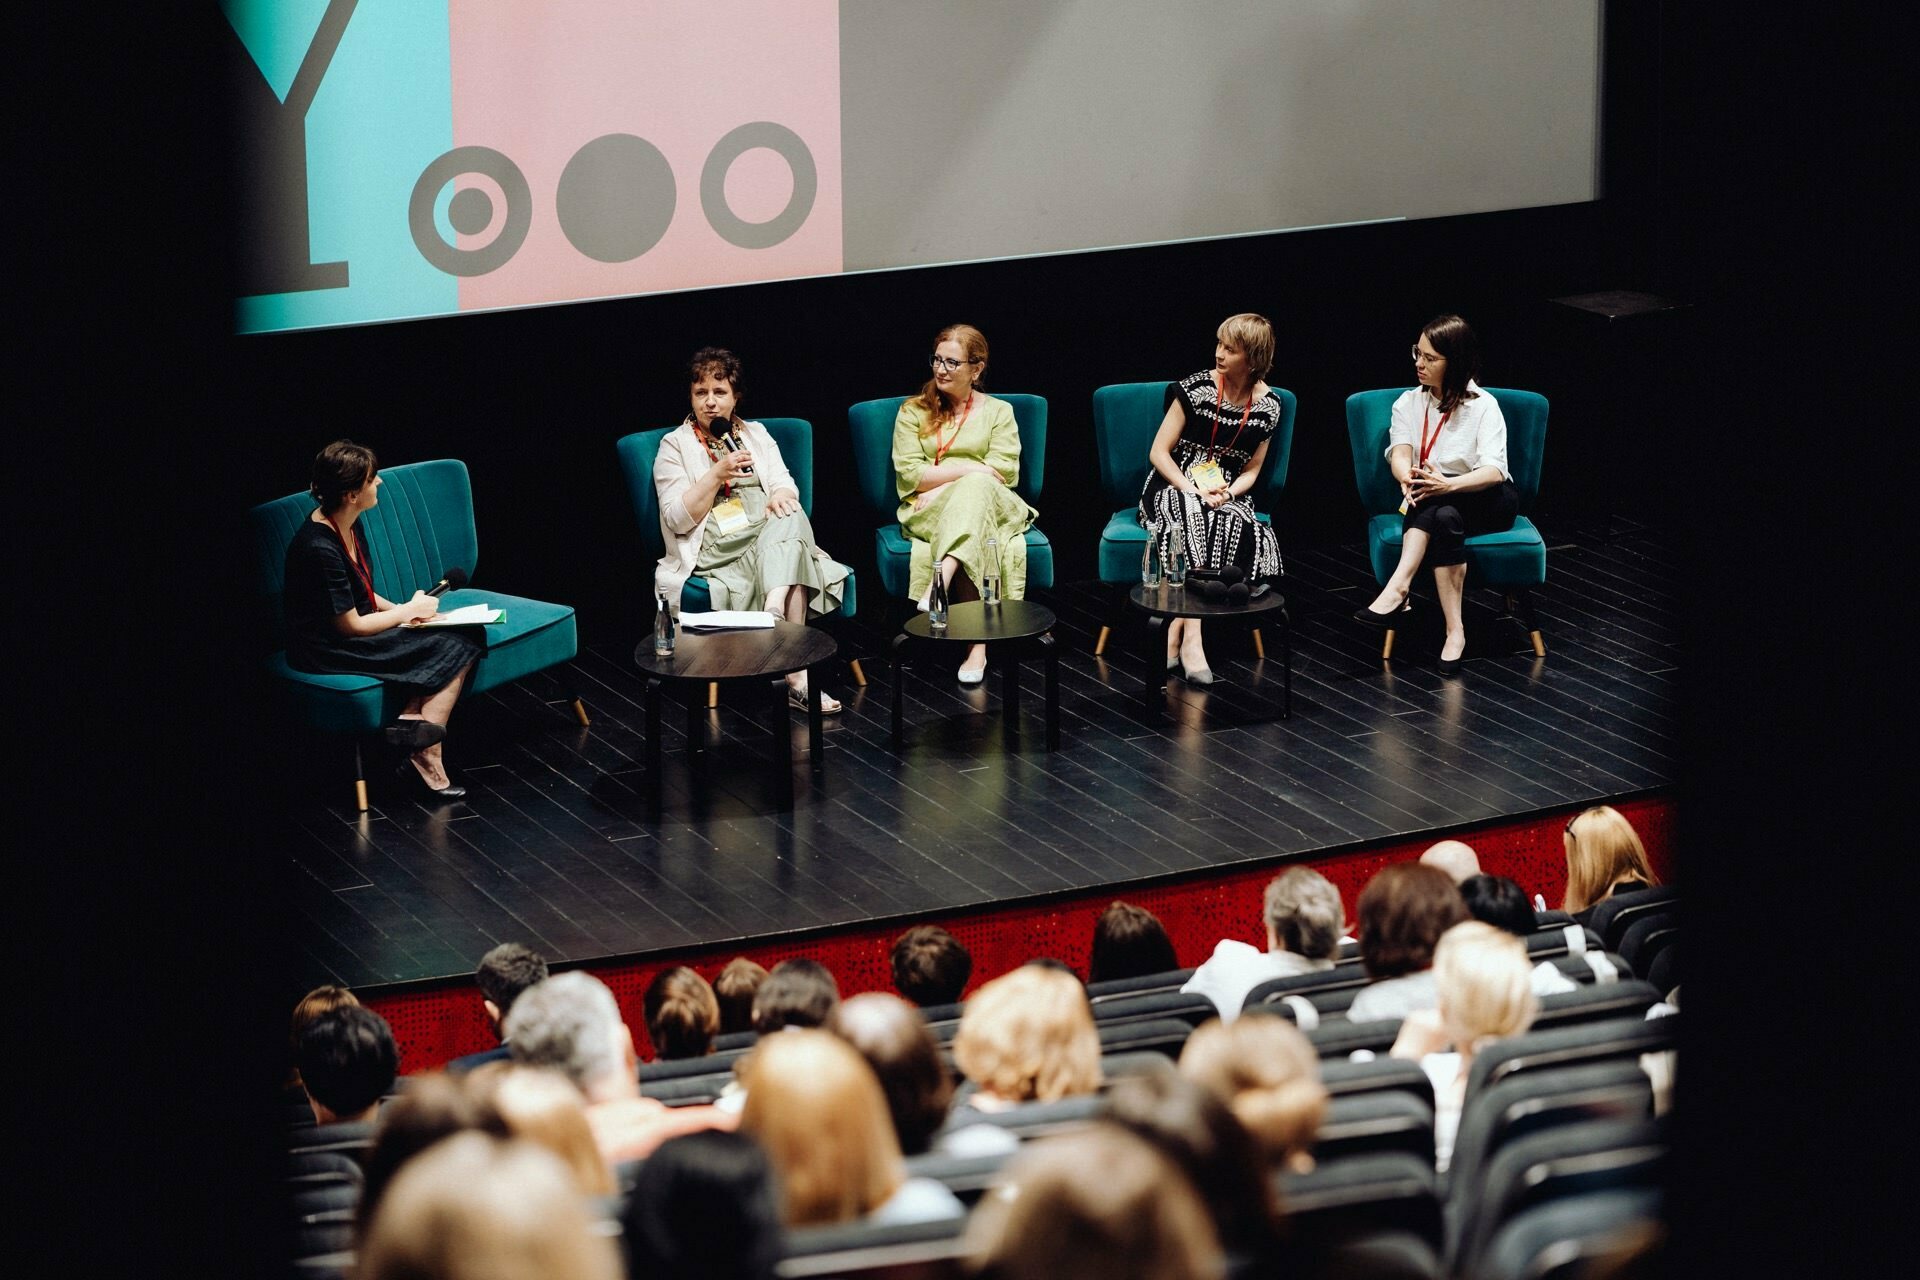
[[1484, 991], [930, 966], [735, 988], [503, 973], [572, 1024], [1096, 1204], [480, 1208], [889, 1033], [544, 1107], [1027, 1036], [682, 1014], [322, 999], [797, 993], [1304, 921], [814, 1105], [1604, 857], [1129, 942], [704, 1207], [1403, 911], [1267, 1071], [1455, 857], [1503, 904], [347, 1060], [435, 1106]]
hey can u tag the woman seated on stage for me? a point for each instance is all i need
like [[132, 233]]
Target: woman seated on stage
[[956, 455], [730, 512], [1604, 857], [1206, 459], [337, 624], [1448, 451]]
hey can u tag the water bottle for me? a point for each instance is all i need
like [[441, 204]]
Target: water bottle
[[1176, 559], [937, 603], [1150, 563], [662, 627], [990, 577]]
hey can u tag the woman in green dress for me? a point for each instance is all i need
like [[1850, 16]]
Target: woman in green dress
[[956, 455]]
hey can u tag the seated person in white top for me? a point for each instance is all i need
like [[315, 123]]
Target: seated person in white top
[[1403, 911], [1304, 918], [1503, 904], [1453, 474]]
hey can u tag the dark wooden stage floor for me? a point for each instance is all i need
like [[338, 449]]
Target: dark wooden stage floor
[[556, 846]]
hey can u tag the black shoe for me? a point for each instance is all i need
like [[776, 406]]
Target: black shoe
[[1451, 666], [415, 735], [410, 776], [1383, 620]]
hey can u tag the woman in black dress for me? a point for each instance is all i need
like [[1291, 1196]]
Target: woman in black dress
[[1206, 459], [337, 624]]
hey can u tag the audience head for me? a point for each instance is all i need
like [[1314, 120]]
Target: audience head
[[1500, 902], [1304, 914], [434, 1106], [930, 966], [735, 989], [1455, 857], [889, 1033], [544, 1107], [1453, 340], [797, 993], [1096, 1204], [503, 974], [571, 1024], [1268, 1072], [1253, 335], [338, 470], [1484, 984], [1129, 942], [347, 1060], [682, 1014], [1603, 853], [814, 1105], [323, 999], [704, 1207], [1028, 1036], [482, 1208], [1403, 911]]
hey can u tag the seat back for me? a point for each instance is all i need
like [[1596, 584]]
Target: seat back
[[1388, 1120], [1571, 1046], [1612, 916], [1126, 416], [1193, 1009], [1370, 422], [1142, 984], [871, 424], [1358, 1195], [639, 451]]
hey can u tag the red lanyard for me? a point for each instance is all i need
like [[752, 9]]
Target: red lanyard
[[1427, 442], [1220, 400], [940, 450], [365, 572]]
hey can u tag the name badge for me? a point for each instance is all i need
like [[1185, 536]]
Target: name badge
[[1207, 475], [730, 516]]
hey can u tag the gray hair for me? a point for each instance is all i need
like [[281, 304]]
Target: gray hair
[[1305, 914], [570, 1023]]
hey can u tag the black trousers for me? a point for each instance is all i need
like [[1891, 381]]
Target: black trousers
[[1450, 521]]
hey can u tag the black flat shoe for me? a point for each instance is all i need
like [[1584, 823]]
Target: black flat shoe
[[411, 777], [1451, 666], [415, 735], [1382, 620]]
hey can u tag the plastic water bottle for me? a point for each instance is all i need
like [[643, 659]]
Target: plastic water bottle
[[1150, 563], [990, 576], [662, 627], [1176, 559], [937, 603]]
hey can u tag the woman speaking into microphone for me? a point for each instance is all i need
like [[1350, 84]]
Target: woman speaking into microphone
[[337, 624]]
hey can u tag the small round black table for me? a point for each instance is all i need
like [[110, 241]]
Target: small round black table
[[989, 624], [766, 654], [1163, 602]]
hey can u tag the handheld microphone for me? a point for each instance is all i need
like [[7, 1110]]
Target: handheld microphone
[[733, 446], [455, 579]]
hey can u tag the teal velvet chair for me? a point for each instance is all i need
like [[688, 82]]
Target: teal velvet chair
[[1126, 416], [1513, 561], [637, 454], [422, 527], [872, 424]]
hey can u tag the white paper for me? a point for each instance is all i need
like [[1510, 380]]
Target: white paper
[[464, 616], [727, 620]]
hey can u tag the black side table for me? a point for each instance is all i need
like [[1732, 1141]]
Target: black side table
[[1163, 602], [767, 655], [996, 624]]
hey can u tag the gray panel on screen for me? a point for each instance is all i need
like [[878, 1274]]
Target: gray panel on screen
[[996, 129]]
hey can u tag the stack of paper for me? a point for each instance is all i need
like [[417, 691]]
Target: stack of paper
[[465, 616], [727, 620]]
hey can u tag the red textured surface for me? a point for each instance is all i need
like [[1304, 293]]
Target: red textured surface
[[435, 1025]]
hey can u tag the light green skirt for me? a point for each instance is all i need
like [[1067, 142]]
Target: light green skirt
[[958, 522], [770, 554]]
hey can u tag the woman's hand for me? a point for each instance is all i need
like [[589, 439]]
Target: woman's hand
[[1426, 483], [1216, 497], [783, 503], [733, 466], [421, 607], [925, 496]]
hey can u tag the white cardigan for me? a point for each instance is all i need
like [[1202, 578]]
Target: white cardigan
[[681, 461]]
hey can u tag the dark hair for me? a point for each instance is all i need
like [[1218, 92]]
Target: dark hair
[[889, 1034], [930, 966], [735, 989], [704, 1205], [1129, 942], [716, 362], [1453, 338], [435, 1106], [348, 1059], [682, 1014], [1500, 902], [797, 993], [1402, 913], [338, 470], [506, 971]]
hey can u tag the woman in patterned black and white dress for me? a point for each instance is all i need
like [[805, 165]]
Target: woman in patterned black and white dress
[[1206, 459]]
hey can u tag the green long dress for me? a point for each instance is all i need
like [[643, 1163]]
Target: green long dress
[[962, 515], [770, 553]]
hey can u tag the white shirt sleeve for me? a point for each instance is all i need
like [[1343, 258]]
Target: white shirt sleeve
[[671, 481], [1490, 444], [1405, 424]]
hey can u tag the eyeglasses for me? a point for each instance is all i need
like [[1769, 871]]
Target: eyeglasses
[[1421, 357], [947, 365]]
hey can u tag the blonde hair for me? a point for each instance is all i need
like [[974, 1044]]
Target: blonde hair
[[1029, 1036], [1096, 1204], [1262, 1067], [1602, 851], [1484, 985], [973, 344], [478, 1208], [815, 1107], [543, 1106], [1253, 334]]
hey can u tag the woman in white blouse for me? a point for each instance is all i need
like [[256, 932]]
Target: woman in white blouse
[[1448, 450]]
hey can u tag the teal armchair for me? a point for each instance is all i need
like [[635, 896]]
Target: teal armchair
[[422, 527], [1126, 416], [1513, 561], [872, 424]]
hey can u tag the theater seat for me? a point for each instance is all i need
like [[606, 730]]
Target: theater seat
[[1362, 1196], [1375, 1123], [1559, 1241], [1611, 917], [1144, 984]]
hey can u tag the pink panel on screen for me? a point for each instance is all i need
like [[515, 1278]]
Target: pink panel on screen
[[538, 81]]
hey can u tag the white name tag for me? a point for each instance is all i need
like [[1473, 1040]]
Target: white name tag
[[730, 516], [1207, 475]]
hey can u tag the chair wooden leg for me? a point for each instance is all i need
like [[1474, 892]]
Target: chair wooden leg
[[580, 713], [359, 779], [1539, 644], [1386, 645], [1100, 644], [713, 694], [859, 676], [1524, 602], [1259, 644]]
